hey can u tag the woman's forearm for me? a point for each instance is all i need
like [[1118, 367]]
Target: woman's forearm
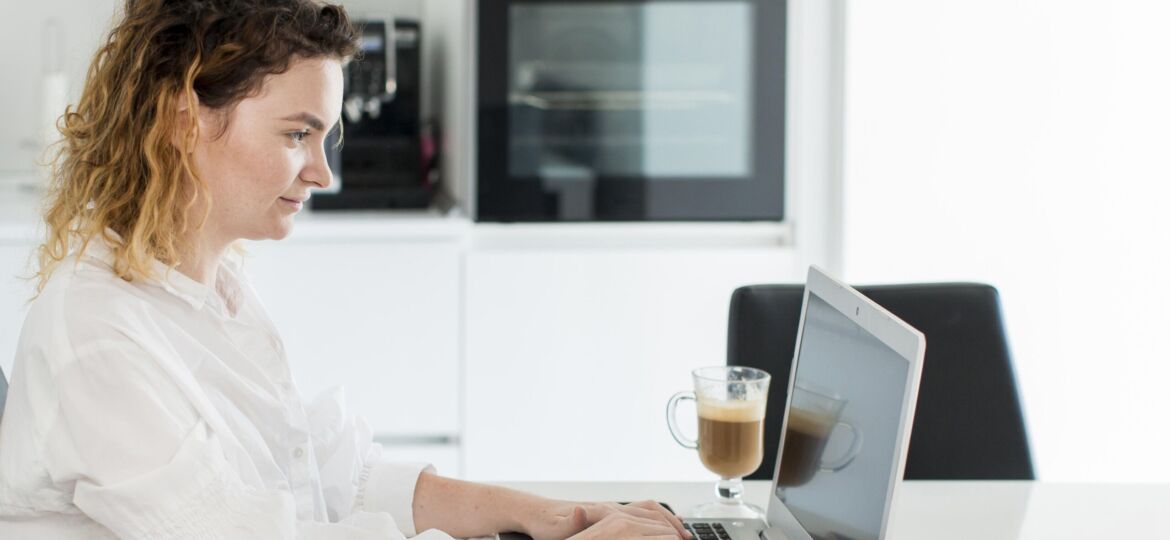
[[467, 509]]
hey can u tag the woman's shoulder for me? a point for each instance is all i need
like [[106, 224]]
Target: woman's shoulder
[[83, 297], [89, 282]]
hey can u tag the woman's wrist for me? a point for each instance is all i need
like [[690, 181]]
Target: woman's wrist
[[543, 518], [511, 505], [470, 509], [530, 512]]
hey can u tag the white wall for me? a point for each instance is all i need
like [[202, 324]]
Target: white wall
[[24, 54], [1023, 143], [26, 49]]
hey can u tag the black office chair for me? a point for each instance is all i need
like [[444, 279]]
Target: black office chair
[[968, 424]]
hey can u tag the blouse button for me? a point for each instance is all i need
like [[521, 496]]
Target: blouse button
[[298, 452]]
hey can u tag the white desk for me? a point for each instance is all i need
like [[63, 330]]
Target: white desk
[[950, 510]]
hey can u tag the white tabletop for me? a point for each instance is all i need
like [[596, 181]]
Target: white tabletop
[[951, 510]]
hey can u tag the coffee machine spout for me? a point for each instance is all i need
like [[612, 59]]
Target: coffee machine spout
[[391, 88]]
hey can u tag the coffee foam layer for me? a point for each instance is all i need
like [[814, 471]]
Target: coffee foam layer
[[732, 411], [811, 422]]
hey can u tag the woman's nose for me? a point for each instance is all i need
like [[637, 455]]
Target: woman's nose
[[317, 170]]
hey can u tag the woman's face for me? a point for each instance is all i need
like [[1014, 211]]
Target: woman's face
[[260, 171]]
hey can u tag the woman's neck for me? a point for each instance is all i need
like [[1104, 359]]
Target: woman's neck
[[201, 262]]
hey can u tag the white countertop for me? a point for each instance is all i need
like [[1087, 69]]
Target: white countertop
[[21, 200], [20, 205]]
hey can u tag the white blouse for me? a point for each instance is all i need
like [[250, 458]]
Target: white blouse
[[165, 409]]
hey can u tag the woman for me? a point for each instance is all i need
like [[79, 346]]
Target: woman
[[151, 397]]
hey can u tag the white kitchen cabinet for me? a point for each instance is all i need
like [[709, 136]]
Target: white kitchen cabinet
[[445, 457], [572, 353], [15, 292], [19, 238], [379, 317]]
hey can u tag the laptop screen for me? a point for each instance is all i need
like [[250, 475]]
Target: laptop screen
[[842, 427]]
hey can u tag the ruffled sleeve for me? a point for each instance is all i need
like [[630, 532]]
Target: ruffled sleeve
[[355, 475], [194, 495]]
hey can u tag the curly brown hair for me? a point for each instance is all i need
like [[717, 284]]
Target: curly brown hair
[[122, 165]]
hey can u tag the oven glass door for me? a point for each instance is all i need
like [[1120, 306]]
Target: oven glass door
[[631, 110]]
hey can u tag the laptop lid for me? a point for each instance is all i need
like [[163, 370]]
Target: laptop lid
[[851, 397]]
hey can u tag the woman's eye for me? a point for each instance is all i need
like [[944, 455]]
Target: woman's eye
[[298, 136]]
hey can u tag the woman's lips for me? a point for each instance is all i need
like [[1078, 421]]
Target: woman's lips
[[296, 204]]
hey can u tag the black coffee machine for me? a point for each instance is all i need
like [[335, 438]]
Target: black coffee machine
[[381, 162]]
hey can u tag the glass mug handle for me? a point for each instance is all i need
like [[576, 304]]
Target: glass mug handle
[[671, 413], [854, 449]]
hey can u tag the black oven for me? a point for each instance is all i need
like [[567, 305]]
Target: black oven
[[628, 110]]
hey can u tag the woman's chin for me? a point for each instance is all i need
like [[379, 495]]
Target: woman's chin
[[281, 232]]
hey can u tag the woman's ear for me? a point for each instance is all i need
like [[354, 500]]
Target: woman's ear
[[186, 121]]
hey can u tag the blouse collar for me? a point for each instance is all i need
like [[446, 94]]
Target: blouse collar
[[192, 292]]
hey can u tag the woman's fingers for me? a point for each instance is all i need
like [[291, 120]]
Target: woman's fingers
[[641, 519], [622, 525], [654, 511], [659, 510], [580, 518]]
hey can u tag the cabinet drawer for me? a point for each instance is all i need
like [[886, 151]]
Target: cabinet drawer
[[379, 318], [445, 457]]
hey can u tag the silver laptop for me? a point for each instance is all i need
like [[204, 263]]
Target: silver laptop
[[851, 397]]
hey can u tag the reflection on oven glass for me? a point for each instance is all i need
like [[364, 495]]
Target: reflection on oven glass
[[630, 91]]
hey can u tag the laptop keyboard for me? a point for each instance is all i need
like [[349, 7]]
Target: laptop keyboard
[[707, 531]]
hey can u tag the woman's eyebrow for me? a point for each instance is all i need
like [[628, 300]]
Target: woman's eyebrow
[[307, 118]]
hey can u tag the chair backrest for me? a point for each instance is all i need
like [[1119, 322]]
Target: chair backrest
[[968, 424]]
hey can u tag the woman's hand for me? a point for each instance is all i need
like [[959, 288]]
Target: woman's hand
[[645, 519], [466, 509], [622, 526]]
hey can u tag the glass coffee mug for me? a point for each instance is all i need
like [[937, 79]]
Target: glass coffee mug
[[731, 401], [813, 418]]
